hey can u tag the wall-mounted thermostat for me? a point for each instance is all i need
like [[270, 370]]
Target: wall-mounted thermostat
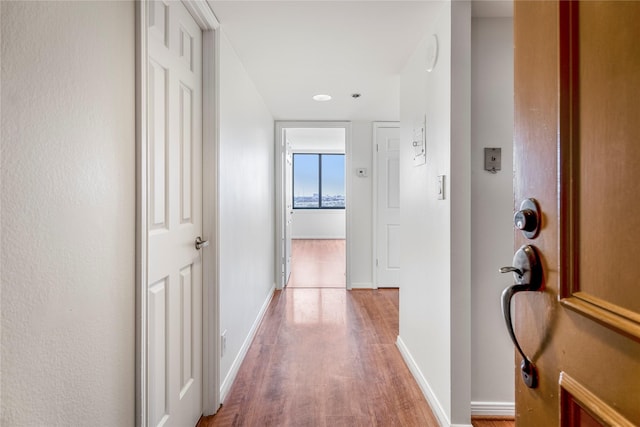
[[492, 159]]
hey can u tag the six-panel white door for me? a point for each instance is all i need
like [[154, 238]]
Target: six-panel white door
[[174, 296], [388, 207]]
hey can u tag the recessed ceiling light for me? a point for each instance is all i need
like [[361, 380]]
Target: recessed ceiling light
[[322, 97]]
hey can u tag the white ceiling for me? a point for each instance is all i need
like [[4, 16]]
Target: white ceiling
[[293, 50], [329, 139]]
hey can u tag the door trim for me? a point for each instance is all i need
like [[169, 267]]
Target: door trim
[[205, 18], [374, 197], [280, 180]]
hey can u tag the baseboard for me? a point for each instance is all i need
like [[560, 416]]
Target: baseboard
[[428, 393], [325, 237], [363, 285], [225, 387], [493, 409]]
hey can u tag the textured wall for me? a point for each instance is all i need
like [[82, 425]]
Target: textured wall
[[68, 193]]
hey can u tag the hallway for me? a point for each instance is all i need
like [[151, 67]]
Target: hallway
[[326, 357], [318, 263]]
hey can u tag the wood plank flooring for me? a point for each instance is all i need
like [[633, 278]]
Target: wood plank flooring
[[326, 357], [492, 422], [317, 263]]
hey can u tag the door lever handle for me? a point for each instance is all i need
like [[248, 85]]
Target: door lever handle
[[201, 243], [511, 269], [527, 273]]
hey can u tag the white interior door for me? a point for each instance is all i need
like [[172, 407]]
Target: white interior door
[[288, 210], [388, 206], [174, 296]]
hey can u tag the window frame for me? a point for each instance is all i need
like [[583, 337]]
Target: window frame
[[293, 181]]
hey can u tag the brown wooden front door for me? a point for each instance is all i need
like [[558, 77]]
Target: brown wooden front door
[[577, 152]]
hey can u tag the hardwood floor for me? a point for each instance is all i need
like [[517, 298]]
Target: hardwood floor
[[318, 264], [326, 357], [492, 422]]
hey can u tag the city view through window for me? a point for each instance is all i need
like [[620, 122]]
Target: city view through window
[[318, 181]]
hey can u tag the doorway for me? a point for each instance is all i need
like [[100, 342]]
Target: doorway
[[386, 204], [312, 164]]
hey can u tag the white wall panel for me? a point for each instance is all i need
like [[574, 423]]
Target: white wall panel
[[361, 205], [492, 205], [435, 235], [68, 213], [247, 210], [319, 224]]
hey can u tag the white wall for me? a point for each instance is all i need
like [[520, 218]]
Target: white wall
[[247, 219], [68, 211], [360, 205], [492, 385], [318, 224], [435, 275]]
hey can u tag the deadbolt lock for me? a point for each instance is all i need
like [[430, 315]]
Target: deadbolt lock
[[527, 219]]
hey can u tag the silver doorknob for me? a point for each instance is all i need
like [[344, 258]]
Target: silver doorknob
[[201, 243]]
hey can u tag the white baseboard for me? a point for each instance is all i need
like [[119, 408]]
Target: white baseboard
[[428, 393], [323, 237], [501, 409], [363, 285], [225, 387]]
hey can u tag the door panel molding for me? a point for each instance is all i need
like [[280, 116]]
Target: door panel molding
[[573, 292], [576, 402]]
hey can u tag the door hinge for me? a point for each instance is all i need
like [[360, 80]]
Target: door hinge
[[377, 148], [376, 262]]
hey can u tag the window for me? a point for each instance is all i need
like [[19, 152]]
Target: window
[[318, 181]]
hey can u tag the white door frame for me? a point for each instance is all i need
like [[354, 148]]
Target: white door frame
[[374, 203], [280, 189], [204, 17]]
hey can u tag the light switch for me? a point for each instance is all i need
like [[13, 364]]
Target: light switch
[[492, 159], [361, 172]]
